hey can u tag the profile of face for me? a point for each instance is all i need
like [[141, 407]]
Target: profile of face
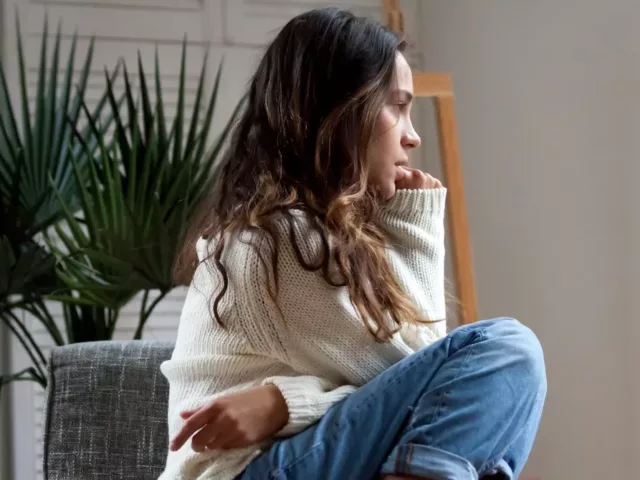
[[394, 136], [329, 85]]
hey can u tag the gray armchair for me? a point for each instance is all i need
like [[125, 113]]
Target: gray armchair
[[106, 411]]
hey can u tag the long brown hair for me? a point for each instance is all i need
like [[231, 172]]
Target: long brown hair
[[300, 146]]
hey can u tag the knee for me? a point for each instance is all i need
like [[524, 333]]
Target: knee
[[523, 351]]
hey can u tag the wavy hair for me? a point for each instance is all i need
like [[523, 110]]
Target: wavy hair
[[300, 145]]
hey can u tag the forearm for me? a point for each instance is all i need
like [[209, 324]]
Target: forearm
[[307, 399], [414, 218], [414, 224]]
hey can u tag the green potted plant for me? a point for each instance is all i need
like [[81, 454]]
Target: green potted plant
[[116, 186], [36, 147], [141, 191]]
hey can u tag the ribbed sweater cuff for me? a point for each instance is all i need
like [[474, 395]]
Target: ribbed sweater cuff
[[416, 207], [306, 400]]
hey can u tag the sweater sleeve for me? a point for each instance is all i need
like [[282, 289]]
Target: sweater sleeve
[[413, 221], [308, 397]]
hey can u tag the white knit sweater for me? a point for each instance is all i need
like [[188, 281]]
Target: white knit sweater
[[317, 351]]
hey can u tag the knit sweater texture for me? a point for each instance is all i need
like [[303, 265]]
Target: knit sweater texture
[[313, 345]]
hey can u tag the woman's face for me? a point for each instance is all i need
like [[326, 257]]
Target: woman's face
[[394, 134]]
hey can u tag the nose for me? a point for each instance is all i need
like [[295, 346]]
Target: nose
[[411, 139]]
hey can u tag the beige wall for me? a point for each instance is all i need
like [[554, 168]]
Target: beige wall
[[633, 290], [548, 110]]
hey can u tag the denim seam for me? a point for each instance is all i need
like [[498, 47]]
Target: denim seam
[[403, 459], [366, 403], [398, 463], [369, 400], [407, 453], [398, 378], [275, 473], [408, 459], [488, 466], [438, 409]]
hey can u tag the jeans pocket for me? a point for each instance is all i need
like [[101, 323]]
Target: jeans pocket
[[307, 466]]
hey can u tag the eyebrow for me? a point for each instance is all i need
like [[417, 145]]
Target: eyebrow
[[406, 95]]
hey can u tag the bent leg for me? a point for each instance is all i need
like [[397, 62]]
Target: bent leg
[[480, 412], [449, 411]]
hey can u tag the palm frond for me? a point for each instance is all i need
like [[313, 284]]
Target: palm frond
[[143, 189]]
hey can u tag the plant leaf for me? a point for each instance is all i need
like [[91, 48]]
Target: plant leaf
[[27, 374]]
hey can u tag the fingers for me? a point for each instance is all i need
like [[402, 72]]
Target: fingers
[[224, 433], [207, 437], [215, 430], [404, 182], [416, 179], [194, 422]]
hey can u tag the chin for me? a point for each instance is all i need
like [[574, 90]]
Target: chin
[[388, 194], [383, 190]]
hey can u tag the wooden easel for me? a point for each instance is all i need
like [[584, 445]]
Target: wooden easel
[[438, 86]]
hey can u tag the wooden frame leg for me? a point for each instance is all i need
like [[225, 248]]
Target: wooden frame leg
[[439, 87], [457, 212]]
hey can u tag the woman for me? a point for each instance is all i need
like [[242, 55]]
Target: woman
[[312, 344]]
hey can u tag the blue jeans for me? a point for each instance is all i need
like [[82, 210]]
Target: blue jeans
[[466, 407]]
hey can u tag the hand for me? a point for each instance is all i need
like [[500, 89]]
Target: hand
[[414, 179], [236, 420]]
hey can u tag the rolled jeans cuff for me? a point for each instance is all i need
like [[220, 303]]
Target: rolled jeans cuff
[[428, 462], [501, 467]]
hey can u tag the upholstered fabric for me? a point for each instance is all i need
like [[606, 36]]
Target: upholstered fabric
[[106, 411]]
